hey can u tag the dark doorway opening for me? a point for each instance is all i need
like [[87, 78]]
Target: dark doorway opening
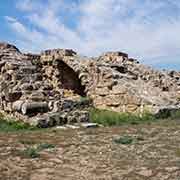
[[69, 78]]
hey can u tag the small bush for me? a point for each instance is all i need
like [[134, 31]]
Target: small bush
[[175, 114], [178, 152], [124, 140], [27, 142], [168, 114], [110, 118], [128, 140], [85, 101], [31, 152], [45, 146]]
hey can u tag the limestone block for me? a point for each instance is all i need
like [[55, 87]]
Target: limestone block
[[49, 71], [37, 85], [131, 108], [17, 105], [11, 66], [114, 100], [37, 96], [118, 89], [40, 122], [102, 91], [27, 69], [13, 96], [26, 87]]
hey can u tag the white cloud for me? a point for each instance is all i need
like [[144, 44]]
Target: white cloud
[[145, 29], [29, 5], [141, 28], [30, 37], [17, 26]]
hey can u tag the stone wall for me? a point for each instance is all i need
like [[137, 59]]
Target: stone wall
[[119, 83], [30, 92], [125, 85], [46, 89]]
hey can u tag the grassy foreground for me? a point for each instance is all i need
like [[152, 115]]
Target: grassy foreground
[[104, 117], [9, 125], [110, 118]]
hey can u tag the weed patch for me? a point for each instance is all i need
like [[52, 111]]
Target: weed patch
[[30, 152], [169, 114], [124, 140], [44, 146], [27, 142], [10, 125], [34, 151], [110, 118], [178, 152], [128, 140]]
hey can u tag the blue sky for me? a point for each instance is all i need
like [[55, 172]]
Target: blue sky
[[145, 29]]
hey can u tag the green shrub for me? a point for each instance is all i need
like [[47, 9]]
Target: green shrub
[[178, 152], [124, 140], [175, 114], [27, 142], [43, 146], [110, 118], [31, 152], [128, 139], [85, 100], [168, 114]]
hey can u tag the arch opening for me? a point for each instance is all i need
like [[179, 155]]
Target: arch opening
[[69, 78]]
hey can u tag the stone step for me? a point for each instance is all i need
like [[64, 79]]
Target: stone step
[[28, 69]]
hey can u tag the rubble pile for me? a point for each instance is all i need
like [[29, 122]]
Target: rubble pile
[[126, 85], [51, 88], [28, 93]]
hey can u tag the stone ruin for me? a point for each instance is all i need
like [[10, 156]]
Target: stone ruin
[[51, 88], [41, 90]]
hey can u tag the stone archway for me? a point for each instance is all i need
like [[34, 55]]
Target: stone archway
[[69, 78]]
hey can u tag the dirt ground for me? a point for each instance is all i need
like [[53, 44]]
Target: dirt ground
[[92, 154]]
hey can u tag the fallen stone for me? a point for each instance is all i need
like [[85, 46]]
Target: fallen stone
[[62, 127], [34, 107], [72, 126], [89, 125]]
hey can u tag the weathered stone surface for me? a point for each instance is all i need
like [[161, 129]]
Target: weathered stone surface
[[35, 86], [59, 77], [89, 125]]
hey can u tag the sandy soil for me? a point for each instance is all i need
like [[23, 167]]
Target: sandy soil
[[92, 154]]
